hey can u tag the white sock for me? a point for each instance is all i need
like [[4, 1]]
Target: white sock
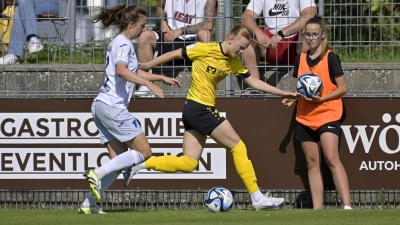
[[256, 196], [142, 166], [120, 162], [105, 183], [346, 207]]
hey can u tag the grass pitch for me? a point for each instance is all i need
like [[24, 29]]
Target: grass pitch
[[184, 217]]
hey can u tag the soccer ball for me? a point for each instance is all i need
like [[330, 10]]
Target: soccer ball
[[219, 199], [309, 84]]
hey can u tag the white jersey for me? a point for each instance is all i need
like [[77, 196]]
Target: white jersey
[[180, 14], [116, 91], [279, 14]]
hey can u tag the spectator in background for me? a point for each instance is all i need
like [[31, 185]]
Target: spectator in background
[[284, 21], [24, 28], [318, 118], [183, 22]]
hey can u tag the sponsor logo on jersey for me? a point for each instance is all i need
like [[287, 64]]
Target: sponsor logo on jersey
[[279, 9]]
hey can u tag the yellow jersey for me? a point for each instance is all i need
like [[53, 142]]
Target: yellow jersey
[[210, 65]]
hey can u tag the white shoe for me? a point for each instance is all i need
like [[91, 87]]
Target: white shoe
[[129, 173], [144, 92], [268, 201], [94, 209], [347, 207], [34, 46], [9, 59]]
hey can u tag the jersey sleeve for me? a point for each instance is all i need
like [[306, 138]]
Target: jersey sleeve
[[122, 52], [256, 6], [195, 50], [238, 69]]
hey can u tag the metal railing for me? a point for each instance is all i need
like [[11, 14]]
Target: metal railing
[[187, 199], [366, 36]]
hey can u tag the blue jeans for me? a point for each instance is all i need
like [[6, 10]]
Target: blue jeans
[[24, 23]]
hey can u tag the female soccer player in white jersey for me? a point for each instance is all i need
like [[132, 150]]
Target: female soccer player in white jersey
[[211, 63], [119, 130]]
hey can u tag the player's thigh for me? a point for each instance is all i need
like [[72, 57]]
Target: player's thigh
[[330, 146], [140, 144], [193, 143], [311, 152], [225, 135]]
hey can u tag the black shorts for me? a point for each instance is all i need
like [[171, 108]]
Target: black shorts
[[305, 133], [203, 118], [164, 47]]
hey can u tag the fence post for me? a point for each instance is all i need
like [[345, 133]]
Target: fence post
[[71, 22], [229, 82], [321, 5]]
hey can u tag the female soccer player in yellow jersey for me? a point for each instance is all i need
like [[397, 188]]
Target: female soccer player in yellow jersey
[[211, 63]]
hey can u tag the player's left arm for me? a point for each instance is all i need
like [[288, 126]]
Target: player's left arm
[[338, 92], [164, 58], [264, 87], [155, 77], [299, 24], [208, 22]]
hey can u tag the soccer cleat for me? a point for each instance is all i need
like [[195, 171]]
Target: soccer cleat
[[93, 180], [9, 59], [129, 173], [94, 209], [268, 201], [34, 46]]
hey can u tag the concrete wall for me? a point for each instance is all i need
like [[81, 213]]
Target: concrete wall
[[84, 80]]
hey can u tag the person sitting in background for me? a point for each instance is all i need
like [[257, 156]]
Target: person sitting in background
[[284, 21], [183, 22], [24, 28]]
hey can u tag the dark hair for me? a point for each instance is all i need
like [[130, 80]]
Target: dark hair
[[318, 19], [119, 16], [244, 32]]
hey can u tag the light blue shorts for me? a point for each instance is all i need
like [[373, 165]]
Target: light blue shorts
[[114, 123]]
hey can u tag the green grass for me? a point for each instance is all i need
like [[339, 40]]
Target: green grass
[[184, 217]]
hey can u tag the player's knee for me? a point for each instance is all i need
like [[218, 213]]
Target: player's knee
[[190, 164], [146, 36]]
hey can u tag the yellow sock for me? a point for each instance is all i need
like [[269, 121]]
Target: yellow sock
[[244, 167], [172, 164]]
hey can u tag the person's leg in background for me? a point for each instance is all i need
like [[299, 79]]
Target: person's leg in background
[[17, 41], [146, 51], [39, 7]]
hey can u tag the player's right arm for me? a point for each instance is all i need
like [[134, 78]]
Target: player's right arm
[[164, 58], [249, 21], [160, 12]]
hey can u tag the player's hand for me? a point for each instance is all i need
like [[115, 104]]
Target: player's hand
[[315, 98], [171, 35], [144, 66], [173, 81], [292, 95], [288, 102], [274, 40], [156, 89]]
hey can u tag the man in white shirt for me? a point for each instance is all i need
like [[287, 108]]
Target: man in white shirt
[[284, 21], [183, 22]]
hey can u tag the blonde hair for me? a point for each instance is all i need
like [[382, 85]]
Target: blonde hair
[[242, 31], [119, 16], [319, 20]]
